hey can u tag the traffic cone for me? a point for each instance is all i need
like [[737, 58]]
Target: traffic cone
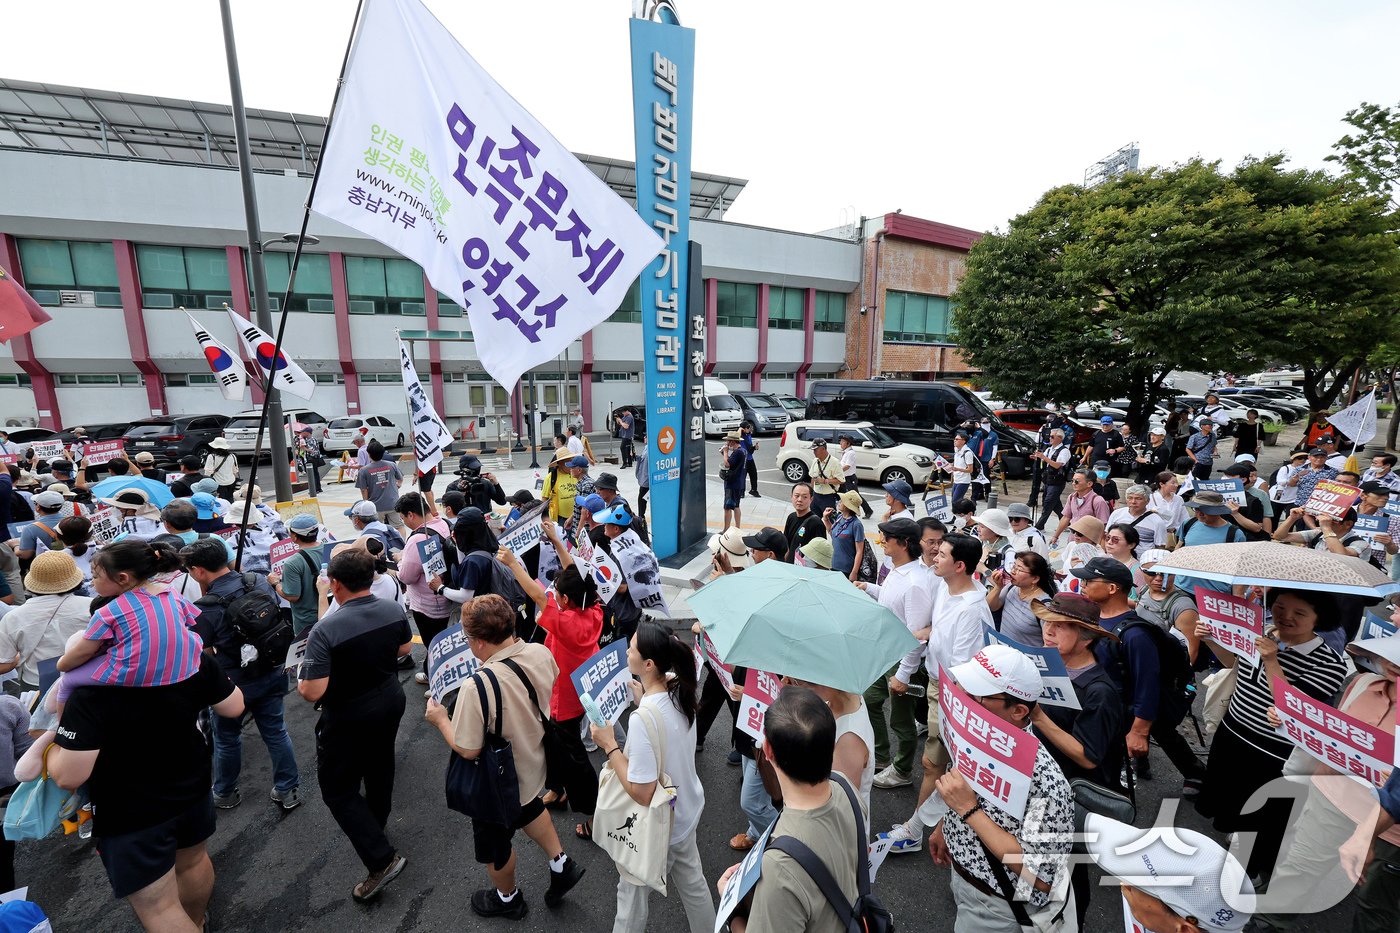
[[293, 470]]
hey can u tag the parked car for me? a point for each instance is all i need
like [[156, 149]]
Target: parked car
[[170, 437], [925, 414], [639, 419], [797, 409], [763, 411], [1031, 420], [95, 432], [242, 429], [879, 457], [341, 431], [30, 435]]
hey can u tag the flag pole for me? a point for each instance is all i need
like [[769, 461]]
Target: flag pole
[[280, 471]]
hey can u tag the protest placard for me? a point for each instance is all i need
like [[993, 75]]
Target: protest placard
[[48, 450], [1361, 751], [450, 662], [1331, 498], [995, 757], [525, 533], [290, 510], [1375, 626], [281, 552], [296, 651], [936, 506], [549, 564], [97, 453], [725, 672], [1368, 526], [1055, 686], [1232, 622], [1231, 490], [641, 570], [604, 678], [742, 881], [760, 690], [106, 526], [1392, 508], [9, 458], [430, 553]]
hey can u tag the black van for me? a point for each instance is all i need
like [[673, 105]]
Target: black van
[[922, 413]]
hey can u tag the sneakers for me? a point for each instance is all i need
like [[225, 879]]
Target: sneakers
[[734, 758], [487, 903], [755, 493], [228, 801], [288, 799], [560, 882], [1191, 788], [892, 777], [420, 678], [902, 840], [369, 889]]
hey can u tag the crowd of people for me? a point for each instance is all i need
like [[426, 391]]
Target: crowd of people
[[146, 645]]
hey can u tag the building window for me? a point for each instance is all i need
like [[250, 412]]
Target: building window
[[454, 377], [447, 307], [177, 380], [630, 311], [99, 379], [391, 378], [183, 276], [914, 318], [830, 313], [476, 397], [329, 379], [14, 379], [732, 377], [571, 393], [620, 377], [785, 307], [736, 304], [50, 266], [384, 286], [500, 399], [313, 284]]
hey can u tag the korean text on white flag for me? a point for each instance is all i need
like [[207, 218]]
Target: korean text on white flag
[[427, 154], [431, 438]]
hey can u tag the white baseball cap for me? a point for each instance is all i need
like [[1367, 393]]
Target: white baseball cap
[[1149, 560], [1186, 870], [999, 669]]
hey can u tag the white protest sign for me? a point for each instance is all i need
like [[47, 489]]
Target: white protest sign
[[430, 553], [97, 453], [1361, 751], [1368, 526], [995, 757], [450, 661], [639, 565], [936, 506], [525, 533], [725, 672], [1056, 689], [604, 679], [47, 450], [742, 881], [549, 564], [431, 157], [1231, 622], [1231, 490], [431, 438], [296, 651], [106, 525], [760, 690]]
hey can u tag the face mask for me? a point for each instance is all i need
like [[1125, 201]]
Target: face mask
[[1101, 474]]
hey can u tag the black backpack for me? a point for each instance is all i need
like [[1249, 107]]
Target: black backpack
[[1234, 534], [256, 619], [19, 508], [867, 914], [503, 584], [1176, 679]]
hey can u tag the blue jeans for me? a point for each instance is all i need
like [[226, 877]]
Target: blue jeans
[[754, 800], [959, 492], [263, 699]]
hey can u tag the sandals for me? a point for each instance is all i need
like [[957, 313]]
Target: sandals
[[554, 801], [584, 830]]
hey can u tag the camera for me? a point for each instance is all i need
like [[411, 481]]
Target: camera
[[992, 562]]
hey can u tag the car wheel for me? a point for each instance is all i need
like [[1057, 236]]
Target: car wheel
[[202, 451], [795, 471], [399, 443], [896, 473]]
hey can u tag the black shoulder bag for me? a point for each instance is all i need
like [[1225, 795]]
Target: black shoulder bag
[[486, 788], [556, 756]]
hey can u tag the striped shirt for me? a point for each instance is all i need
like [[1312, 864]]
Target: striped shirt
[[1311, 667], [153, 643]]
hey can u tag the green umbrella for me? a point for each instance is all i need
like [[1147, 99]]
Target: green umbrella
[[809, 624]]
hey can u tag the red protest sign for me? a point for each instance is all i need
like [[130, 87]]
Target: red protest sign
[[1232, 623], [1343, 743], [97, 453], [995, 757], [9, 458], [1331, 498], [725, 672], [280, 552], [760, 690]]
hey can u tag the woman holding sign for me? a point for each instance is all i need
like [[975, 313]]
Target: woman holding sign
[[666, 696], [1247, 753]]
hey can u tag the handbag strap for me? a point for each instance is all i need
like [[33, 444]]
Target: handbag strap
[[481, 692], [1008, 890], [816, 869], [47, 625], [657, 736], [529, 688]]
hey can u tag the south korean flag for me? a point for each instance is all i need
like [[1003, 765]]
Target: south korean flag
[[227, 367]]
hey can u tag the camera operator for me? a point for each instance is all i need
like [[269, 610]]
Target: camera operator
[[481, 489]]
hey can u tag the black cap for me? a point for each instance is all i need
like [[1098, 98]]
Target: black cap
[[819, 442], [1375, 488], [767, 539], [1107, 569], [453, 500], [1241, 469], [1317, 452], [902, 528], [471, 515], [520, 498], [605, 481]]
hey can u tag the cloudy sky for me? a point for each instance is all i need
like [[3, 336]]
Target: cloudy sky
[[962, 113]]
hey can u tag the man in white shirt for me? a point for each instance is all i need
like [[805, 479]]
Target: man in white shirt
[[962, 466], [957, 631], [1151, 528], [848, 468], [1055, 475], [1335, 458], [573, 443], [904, 592]]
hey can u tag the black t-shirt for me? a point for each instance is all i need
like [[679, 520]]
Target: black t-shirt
[[1156, 463], [799, 531], [153, 764], [1099, 726], [183, 487], [1103, 446], [357, 648]]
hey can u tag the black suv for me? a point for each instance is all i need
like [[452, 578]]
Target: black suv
[[95, 432], [169, 438]]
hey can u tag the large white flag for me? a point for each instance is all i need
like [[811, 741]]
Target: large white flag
[[285, 374], [430, 156], [1358, 420], [226, 365], [431, 438]]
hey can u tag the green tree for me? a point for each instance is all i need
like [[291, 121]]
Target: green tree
[[1371, 157], [1100, 293]]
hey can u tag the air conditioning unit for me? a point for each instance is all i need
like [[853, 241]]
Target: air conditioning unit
[[77, 299]]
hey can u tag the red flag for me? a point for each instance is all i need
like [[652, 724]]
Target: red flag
[[19, 313]]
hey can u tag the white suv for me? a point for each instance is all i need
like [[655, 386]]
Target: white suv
[[879, 457]]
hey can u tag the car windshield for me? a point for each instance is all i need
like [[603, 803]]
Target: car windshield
[[722, 403], [151, 427], [346, 423], [242, 424], [792, 403], [879, 438], [762, 401]]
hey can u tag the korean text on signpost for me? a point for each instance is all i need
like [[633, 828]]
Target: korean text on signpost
[[281, 552], [1231, 490], [525, 533], [760, 690], [1332, 499], [995, 757], [100, 452], [1055, 686], [1345, 744], [450, 662], [602, 681], [430, 553], [1232, 622]]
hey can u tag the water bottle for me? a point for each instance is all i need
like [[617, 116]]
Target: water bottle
[[247, 655], [594, 713]]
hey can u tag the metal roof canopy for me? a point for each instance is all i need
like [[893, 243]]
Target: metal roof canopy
[[58, 118]]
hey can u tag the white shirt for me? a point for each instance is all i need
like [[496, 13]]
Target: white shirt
[[1172, 512], [1337, 461], [1152, 530], [857, 723], [575, 446], [1031, 538], [40, 629], [907, 593], [848, 462], [959, 630], [962, 464], [678, 735]]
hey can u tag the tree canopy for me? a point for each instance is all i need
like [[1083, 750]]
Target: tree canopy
[[1099, 293]]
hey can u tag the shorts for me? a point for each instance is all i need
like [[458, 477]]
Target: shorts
[[934, 749], [140, 858], [492, 840], [732, 499], [425, 481]]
